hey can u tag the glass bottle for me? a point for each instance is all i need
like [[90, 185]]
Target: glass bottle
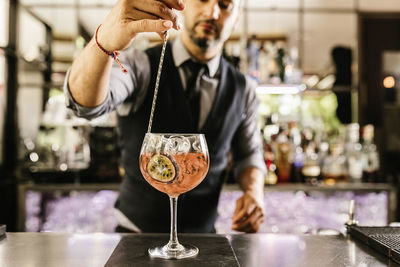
[[271, 178], [370, 156], [323, 151], [296, 154], [334, 169], [283, 156], [283, 164], [297, 165], [311, 170], [353, 152]]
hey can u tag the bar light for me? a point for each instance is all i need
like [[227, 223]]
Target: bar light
[[280, 89]]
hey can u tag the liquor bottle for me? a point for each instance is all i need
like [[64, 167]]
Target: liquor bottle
[[323, 152], [296, 154], [271, 177], [353, 152], [283, 157], [283, 164], [370, 156], [311, 170], [297, 166], [334, 169], [294, 135]]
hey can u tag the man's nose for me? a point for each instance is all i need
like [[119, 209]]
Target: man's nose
[[213, 11]]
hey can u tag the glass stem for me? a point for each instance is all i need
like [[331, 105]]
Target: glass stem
[[173, 243]]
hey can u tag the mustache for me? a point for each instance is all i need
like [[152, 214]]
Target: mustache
[[209, 21]]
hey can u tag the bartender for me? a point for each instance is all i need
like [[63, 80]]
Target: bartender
[[200, 92]]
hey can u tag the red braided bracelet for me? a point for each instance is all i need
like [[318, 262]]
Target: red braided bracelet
[[114, 54]]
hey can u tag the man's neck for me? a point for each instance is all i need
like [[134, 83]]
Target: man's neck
[[197, 52]]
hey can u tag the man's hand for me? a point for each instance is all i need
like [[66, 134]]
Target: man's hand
[[90, 72], [248, 215], [130, 17], [249, 212]]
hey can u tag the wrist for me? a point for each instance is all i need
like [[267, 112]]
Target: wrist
[[97, 52], [101, 39], [255, 193], [251, 181], [112, 54]]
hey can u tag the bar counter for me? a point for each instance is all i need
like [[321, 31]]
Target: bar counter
[[64, 250]]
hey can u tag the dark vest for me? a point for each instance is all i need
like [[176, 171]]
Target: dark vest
[[149, 208]]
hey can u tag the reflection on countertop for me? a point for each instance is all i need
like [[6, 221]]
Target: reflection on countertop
[[55, 249]]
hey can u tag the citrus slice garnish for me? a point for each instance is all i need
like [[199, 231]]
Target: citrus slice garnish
[[161, 168]]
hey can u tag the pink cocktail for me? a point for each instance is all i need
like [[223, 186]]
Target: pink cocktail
[[174, 164]]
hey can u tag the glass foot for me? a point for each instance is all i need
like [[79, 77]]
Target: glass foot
[[180, 252]]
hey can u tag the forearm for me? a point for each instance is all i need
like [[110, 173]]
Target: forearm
[[251, 180], [89, 76]]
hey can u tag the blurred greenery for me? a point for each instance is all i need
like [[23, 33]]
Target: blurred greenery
[[313, 109]]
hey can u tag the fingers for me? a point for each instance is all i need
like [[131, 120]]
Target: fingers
[[149, 25], [175, 4], [129, 17], [239, 210], [251, 223], [248, 215], [251, 228], [158, 9], [161, 34], [144, 15], [244, 205]]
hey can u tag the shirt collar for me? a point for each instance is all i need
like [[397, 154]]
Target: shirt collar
[[180, 54]]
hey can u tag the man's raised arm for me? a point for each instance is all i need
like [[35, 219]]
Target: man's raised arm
[[90, 71]]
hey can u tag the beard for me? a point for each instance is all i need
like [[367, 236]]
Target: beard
[[206, 41]]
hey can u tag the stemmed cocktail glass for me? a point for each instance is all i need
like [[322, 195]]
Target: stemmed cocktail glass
[[174, 164]]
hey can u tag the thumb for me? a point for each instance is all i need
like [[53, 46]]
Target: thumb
[[150, 25]]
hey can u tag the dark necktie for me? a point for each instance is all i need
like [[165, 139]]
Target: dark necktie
[[193, 88]]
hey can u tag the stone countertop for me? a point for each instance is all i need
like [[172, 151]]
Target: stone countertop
[[57, 249]]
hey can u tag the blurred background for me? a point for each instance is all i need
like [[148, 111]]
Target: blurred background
[[328, 75]]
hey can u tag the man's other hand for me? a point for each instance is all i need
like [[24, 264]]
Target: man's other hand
[[248, 215]]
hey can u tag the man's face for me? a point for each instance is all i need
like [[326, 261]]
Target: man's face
[[209, 23]]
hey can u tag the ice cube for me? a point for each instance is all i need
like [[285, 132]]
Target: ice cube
[[178, 144]]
